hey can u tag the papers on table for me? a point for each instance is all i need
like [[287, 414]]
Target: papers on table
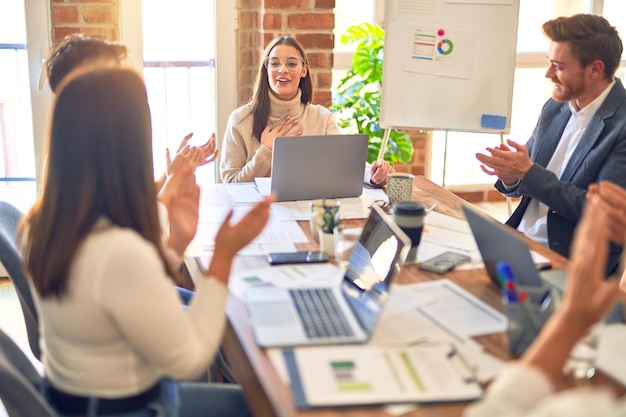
[[285, 276], [282, 233], [609, 356], [420, 352], [452, 308], [372, 375], [420, 320]]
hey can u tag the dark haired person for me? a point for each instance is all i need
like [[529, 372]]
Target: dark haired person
[[78, 49], [579, 139], [283, 86], [114, 338]]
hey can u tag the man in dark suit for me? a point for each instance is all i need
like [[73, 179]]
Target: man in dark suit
[[580, 138]]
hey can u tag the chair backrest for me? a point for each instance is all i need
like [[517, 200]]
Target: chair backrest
[[10, 217], [20, 383]]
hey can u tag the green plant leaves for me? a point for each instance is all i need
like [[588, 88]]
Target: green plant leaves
[[357, 102]]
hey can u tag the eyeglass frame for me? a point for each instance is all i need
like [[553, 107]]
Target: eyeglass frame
[[283, 62]]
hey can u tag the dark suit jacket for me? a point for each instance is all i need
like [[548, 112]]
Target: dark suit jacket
[[600, 155]]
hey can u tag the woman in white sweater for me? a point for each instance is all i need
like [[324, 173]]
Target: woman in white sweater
[[530, 386], [114, 338], [283, 86]]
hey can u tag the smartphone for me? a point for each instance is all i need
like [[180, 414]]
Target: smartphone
[[280, 258], [444, 262]]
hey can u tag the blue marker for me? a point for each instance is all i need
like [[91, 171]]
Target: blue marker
[[507, 281]]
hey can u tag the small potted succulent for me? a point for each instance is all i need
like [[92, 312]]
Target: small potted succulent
[[324, 218]]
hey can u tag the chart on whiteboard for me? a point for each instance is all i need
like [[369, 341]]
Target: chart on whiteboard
[[440, 52]]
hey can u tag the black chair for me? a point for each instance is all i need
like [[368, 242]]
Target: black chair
[[20, 383], [10, 258]]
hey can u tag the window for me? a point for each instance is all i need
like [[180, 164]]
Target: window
[[17, 162], [349, 13], [179, 69], [531, 90]]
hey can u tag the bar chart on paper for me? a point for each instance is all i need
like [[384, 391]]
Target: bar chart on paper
[[345, 375]]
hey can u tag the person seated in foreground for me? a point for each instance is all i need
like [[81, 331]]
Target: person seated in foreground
[[114, 338]]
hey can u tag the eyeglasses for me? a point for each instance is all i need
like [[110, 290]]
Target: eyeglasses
[[292, 63]]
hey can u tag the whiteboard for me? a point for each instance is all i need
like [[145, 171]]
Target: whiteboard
[[449, 64]]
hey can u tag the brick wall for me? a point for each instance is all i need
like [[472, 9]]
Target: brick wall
[[91, 17]]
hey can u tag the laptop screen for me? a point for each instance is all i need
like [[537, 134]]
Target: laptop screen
[[373, 265]]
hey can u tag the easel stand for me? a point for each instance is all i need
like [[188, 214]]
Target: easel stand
[[509, 205]]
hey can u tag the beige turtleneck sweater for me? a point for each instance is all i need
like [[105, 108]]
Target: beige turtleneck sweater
[[243, 157]]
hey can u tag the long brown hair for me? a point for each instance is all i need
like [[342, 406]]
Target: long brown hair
[[260, 100], [99, 165]]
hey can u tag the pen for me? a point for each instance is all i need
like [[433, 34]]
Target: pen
[[279, 120]]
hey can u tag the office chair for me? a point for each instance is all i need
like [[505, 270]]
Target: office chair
[[20, 383], [12, 262]]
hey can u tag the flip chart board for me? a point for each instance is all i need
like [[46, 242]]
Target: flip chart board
[[449, 64]]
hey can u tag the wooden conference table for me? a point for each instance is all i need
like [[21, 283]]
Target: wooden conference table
[[268, 395]]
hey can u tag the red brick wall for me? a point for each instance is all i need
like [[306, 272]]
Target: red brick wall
[[91, 17]]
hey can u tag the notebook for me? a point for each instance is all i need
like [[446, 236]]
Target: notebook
[[325, 166], [497, 243], [283, 317]]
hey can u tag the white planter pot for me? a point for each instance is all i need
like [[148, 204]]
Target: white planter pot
[[327, 243]]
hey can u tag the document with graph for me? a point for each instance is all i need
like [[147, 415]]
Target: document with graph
[[354, 375]]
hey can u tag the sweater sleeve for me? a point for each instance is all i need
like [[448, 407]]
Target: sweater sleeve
[[243, 157], [521, 391]]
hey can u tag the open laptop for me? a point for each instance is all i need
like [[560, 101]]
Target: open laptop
[[497, 243], [283, 317], [325, 166]]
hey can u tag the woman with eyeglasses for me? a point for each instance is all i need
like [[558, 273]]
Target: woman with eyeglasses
[[280, 106]]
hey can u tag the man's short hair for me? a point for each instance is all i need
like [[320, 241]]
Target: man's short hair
[[591, 38]]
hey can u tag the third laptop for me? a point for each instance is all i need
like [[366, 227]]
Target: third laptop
[[498, 243]]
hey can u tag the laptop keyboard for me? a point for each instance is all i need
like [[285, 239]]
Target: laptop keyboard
[[320, 313]]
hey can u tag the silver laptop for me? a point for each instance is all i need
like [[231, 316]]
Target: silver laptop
[[497, 243], [347, 313], [325, 166]]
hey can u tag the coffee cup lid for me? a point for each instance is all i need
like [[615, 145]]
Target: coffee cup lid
[[408, 208]]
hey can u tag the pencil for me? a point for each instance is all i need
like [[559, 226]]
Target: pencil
[[279, 120]]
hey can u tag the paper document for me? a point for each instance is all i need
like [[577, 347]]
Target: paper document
[[610, 352], [264, 185], [353, 375], [450, 306], [285, 276], [243, 192]]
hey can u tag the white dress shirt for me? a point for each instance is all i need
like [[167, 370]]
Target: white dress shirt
[[534, 223]]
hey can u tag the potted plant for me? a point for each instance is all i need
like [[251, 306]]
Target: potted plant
[[357, 102], [324, 218]]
